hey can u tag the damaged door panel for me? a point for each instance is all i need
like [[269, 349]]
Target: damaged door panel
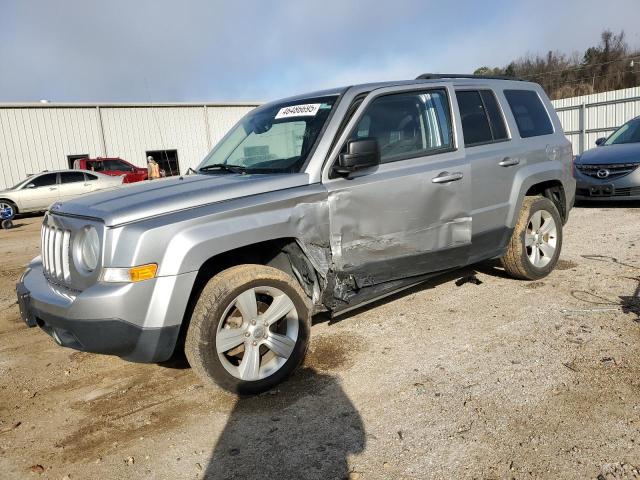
[[410, 215]]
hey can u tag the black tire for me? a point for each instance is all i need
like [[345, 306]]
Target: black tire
[[13, 206], [7, 224], [516, 261], [216, 306]]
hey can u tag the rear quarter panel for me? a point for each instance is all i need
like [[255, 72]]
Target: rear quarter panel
[[546, 158]]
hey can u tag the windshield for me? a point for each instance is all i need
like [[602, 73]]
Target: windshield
[[627, 133], [20, 183], [275, 139]]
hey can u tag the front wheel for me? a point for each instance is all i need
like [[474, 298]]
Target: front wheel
[[8, 210], [249, 329], [535, 244]]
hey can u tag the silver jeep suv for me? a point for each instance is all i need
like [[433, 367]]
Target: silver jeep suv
[[323, 201]]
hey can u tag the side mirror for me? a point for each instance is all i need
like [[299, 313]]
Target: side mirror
[[601, 140], [31, 185], [362, 153]]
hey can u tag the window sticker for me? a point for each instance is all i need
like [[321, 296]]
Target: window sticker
[[308, 110]]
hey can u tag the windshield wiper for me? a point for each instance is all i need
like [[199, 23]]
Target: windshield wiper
[[224, 166]]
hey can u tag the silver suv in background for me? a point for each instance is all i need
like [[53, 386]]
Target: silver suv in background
[[319, 202]]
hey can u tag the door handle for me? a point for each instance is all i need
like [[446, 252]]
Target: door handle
[[509, 162], [446, 177], [53, 188]]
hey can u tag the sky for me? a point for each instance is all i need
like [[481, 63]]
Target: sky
[[241, 50]]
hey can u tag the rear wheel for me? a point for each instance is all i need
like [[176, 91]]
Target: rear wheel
[[535, 244], [249, 329]]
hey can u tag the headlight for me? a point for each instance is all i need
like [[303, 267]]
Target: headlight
[[87, 249]]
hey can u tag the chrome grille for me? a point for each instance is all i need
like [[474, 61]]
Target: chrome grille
[[614, 170], [55, 253]]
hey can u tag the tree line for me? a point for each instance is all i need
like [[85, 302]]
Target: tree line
[[610, 65]]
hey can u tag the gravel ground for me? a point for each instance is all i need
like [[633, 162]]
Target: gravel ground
[[505, 379]]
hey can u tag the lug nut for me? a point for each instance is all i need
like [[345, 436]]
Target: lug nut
[[254, 343], [253, 322], [247, 334]]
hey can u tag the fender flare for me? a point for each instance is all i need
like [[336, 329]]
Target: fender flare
[[526, 178]]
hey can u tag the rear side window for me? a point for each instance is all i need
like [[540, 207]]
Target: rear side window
[[531, 117], [408, 124], [498, 127], [71, 177], [90, 177], [482, 120]]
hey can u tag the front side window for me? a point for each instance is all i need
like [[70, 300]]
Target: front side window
[[90, 177], [627, 133], [276, 138], [116, 165], [95, 166], [407, 124], [71, 177], [531, 116], [44, 180]]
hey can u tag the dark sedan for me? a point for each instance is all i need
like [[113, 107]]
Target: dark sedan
[[610, 171]]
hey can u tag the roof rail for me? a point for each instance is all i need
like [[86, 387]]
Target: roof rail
[[438, 76]]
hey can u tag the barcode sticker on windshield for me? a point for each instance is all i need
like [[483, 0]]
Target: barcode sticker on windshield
[[308, 110]]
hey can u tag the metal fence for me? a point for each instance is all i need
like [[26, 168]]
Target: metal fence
[[589, 117]]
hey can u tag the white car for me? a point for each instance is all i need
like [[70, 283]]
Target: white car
[[37, 192]]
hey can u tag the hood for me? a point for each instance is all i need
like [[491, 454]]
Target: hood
[[608, 154], [136, 201]]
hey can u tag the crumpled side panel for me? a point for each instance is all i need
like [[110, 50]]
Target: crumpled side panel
[[390, 219], [311, 222], [366, 249]]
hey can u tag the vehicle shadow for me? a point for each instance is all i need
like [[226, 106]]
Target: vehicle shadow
[[15, 225], [29, 215], [305, 429], [631, 303]]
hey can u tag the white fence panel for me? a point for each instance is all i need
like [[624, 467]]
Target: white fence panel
[[589, 117]]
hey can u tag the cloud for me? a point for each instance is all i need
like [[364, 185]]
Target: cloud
[[252, 50]]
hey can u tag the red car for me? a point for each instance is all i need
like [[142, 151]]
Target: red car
[[113, 166]]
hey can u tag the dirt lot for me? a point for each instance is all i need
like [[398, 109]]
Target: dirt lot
[[505, 379]]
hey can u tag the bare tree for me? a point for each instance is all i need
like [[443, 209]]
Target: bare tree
[[610, 65]]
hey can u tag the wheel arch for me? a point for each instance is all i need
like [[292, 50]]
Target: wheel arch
[[12, 202], [538, 179], [554, 191], [283, 253]]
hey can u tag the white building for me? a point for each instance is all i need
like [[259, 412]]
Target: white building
[[37, 137], [49, 136]]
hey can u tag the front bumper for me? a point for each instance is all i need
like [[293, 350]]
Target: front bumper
[[137, 321], [616, 189]]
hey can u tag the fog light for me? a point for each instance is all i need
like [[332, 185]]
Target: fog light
[[133, 274]]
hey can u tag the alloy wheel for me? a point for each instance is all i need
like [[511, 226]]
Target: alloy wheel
[[540, 238], [257, 334]]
